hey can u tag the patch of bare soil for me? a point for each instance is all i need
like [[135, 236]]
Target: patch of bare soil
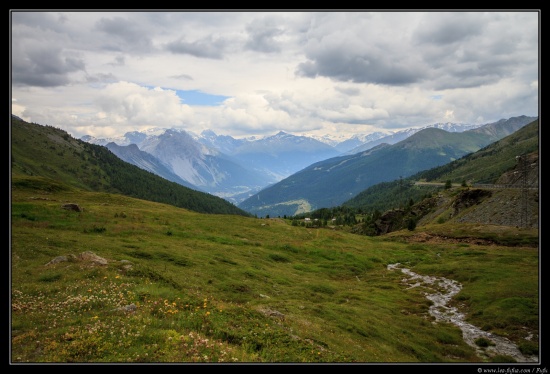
[[423, 237]]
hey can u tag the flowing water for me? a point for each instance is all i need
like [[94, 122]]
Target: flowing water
[[439, 291]]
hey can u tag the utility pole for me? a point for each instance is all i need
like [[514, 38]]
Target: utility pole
[[524, 213]]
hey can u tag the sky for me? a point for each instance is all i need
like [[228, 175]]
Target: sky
[[255, 73]]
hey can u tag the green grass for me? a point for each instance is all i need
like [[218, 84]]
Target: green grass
[[229, 288]]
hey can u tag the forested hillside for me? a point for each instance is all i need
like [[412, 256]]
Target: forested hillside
[[48, 152], [485, 166], [332, 182]]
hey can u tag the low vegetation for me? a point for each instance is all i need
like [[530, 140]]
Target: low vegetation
[[110, 268], [172, 285]]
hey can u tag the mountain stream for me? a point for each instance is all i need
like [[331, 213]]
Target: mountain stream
[[440, 291]]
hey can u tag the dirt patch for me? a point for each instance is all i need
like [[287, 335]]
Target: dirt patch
[[424, 237]]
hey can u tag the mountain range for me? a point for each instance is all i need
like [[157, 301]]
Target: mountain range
[[42, 156], [46, 152], [236, 169], [333, 181]]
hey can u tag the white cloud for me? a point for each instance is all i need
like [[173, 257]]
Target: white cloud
[[105, 73]]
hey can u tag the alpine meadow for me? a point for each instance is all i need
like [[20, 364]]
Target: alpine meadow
[[110, 263]]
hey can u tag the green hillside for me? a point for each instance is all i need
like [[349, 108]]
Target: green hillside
[[173, 285], [333, 182], [98, 276], [48, 152], [484, 166]]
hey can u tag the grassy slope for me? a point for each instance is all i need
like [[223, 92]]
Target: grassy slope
[[229, 288]]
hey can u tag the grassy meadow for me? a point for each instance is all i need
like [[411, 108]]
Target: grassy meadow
[[181, 286]]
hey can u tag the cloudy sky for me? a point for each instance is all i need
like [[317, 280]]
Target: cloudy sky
[[256, 73]]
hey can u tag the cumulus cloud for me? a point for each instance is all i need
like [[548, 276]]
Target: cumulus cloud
[[125, 102], [334, 72]]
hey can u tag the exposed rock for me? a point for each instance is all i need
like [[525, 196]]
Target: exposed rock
[[87, 256], [389, 221], [72, 206], [93, 258], [273, 313], [131, 308], [58, 259], [467, 198]]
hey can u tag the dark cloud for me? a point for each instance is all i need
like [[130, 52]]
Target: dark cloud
[[261, 37], [205, 48], [40, 20], [448, 28], [118, 61], [350, 91], [102, 78], [124, 35], [183, 77], [43, 66], [345, 66]]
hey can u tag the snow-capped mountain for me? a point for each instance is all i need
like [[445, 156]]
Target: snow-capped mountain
[[132, 137], [202, 166], [282, 154], [224, 143], [358, 140], [404, 134], [146, 161], [237, 168]]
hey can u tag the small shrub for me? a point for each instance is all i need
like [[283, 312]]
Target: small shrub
[[278, 258], [96, 229], [50, 277], [322, 288], [289, 248], [502, 358], [483, 342], [528, 348], [28, 217]]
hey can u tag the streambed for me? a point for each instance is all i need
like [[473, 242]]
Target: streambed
[[439, 291]]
